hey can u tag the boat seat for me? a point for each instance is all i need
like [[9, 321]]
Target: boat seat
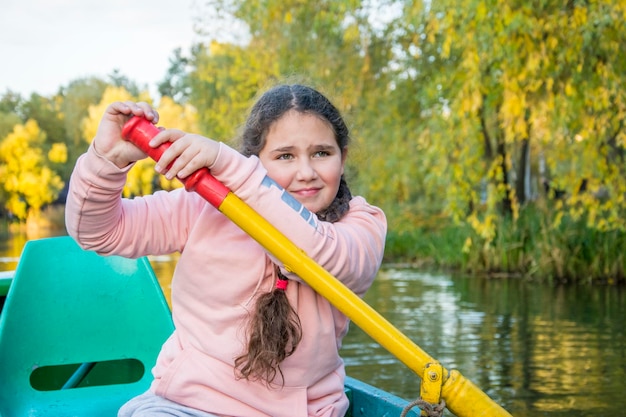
[[79, 332]]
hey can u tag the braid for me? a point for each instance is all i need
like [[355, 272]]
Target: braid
[[275, 329], [339, 206]]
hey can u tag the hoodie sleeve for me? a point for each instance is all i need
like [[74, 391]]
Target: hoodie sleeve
[[99, 219]]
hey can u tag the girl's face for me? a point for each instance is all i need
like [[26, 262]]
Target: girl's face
[[302, 156]]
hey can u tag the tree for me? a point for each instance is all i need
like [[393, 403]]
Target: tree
[[11, 102], [46, 112], [28, 181], [224, 82], [329, 44], [8, 122], [75, 100], [523, 85], [10, 112], [117, 79], [467, 111], [516, 98], [176, 81]]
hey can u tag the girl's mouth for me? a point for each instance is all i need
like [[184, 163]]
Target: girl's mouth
[[307, 192]]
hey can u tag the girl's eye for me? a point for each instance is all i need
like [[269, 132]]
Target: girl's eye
[[321, 154], [285, 156]]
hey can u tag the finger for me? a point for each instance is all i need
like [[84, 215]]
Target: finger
[[177, 146], [199, 153], [166, 135], [191, 160], [117, 108], [149, 112], [183, 156], [141, 109], [186, 164]]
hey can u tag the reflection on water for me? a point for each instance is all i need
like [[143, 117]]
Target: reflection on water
[[537, 350]]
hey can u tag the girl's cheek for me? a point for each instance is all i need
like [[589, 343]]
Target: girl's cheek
[[283, 182], [280, 177]]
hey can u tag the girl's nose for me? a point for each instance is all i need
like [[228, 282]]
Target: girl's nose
[[306, 171]]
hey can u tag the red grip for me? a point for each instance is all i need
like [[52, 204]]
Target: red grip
[[139, 131]]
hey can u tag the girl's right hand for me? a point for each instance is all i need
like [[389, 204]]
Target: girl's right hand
[[109, 142], [186, 154]]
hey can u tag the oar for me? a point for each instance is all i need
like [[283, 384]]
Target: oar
[[462, 397]]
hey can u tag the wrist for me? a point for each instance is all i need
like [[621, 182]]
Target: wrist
[[113, 157]]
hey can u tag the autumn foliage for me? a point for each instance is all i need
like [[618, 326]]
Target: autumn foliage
[[491, 132]]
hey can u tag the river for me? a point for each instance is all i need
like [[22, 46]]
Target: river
[[536, 349]]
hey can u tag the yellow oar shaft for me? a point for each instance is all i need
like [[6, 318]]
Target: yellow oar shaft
[[462, 397]]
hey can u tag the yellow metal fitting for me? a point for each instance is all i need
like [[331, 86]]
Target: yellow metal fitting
[[432, 381]]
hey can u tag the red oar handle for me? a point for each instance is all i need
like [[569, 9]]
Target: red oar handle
[[139, 131]]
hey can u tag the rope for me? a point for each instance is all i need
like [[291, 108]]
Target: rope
[[431, 410]]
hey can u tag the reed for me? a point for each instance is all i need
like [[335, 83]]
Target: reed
[[533, 246]]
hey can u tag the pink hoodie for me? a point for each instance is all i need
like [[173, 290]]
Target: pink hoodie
[[220, 273]]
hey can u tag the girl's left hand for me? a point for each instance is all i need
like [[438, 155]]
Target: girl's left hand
[[186, 154]]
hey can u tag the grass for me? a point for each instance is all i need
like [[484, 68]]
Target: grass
[[531, 247]]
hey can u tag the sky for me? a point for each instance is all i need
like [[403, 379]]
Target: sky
[[45, 44]]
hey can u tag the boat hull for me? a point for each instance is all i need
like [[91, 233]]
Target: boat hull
[[365, 400]]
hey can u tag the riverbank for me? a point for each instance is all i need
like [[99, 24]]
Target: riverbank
[[532, 247], [528, 248]]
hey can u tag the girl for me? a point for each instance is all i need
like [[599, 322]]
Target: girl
[[246, 343]]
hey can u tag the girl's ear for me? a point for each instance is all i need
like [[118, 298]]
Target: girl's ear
[[344, 155]]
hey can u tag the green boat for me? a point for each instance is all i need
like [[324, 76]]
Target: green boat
[[79, 333]]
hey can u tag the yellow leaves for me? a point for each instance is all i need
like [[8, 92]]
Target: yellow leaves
[[513, 110], [485, 228], [140, 178], [552, 42], [558, 218], [216, 48], [513, 104], [481, 11], [533, 62], [621, 139], [432, 29], [579, 17], [467, 245], [288, 17], [19, 150], [352, 34], [17, 206], [27, 180], [470, 100], [540, 129], [58, 153], [91, 122], [174, 115], [445, 47]]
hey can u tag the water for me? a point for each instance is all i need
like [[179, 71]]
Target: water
[[536, 349]]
